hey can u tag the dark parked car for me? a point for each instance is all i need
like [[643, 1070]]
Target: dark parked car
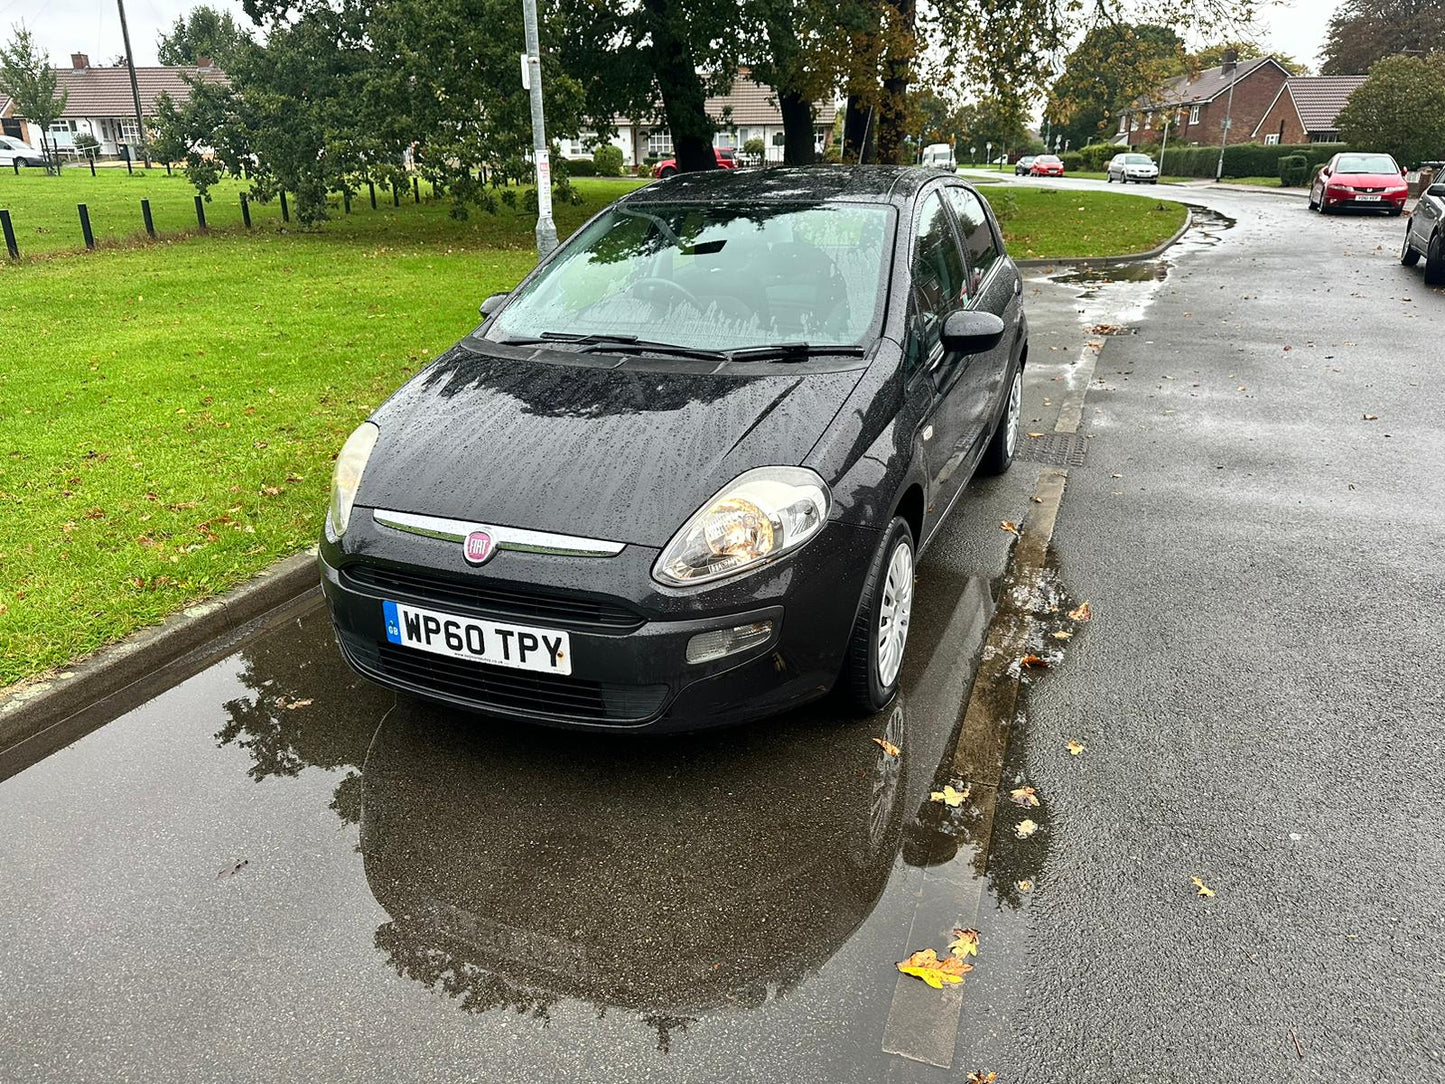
[[681, 475], [1023, 165], [1371, 182], [1425, 233]]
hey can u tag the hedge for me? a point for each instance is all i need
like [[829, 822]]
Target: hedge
[[1243, 159], [1096, 155], [1294, 170], [578, 167]]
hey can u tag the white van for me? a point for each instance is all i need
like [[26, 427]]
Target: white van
[[939, 156], [12, 150]]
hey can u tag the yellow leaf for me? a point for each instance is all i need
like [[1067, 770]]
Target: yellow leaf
[[1011, 527], [1025, 828], [1024, 796], [948, 796], [1062, 635], [1035, 436], [1204, 889], [927, 966], [888, 747], [1372, 417], [1025, 885], [1082, 612], [964, 943], [978, 1076], [1074, 747]]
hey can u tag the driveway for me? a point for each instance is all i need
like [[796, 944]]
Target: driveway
[[259, 867]]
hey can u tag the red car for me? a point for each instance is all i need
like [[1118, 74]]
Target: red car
[[1047, 165], [668, 166], [1373, 182]]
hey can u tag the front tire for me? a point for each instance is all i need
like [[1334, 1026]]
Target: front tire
[[664, 174], [1435, 260], [874, 661], [1408, 256], [999, 455]]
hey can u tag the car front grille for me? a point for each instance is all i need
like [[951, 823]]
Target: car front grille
[[546, 696], [488, 598]]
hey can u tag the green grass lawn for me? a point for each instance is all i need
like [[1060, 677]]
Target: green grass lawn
[[169, 411]]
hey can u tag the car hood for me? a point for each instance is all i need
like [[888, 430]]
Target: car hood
[[1368, 180], [623, 449]]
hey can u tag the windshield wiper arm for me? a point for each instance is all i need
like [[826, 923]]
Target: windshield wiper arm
[[792, 352]]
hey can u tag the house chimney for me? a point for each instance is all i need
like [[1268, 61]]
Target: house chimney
[[1231, 61], [203, 62], [79, 61]]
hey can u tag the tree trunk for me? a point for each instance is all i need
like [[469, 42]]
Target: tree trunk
[[682, 93], [859, 131], [797, 129], [897, 67]]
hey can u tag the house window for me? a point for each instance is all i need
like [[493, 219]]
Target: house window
[[1194, 114], [1272, 140], [659, 142], [725, 140], [1149, 119], [1134, 123], [129, 133]]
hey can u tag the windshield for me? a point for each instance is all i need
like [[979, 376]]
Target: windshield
[[1137, 160], [713, 277], [1046, 159], [1367, 163]]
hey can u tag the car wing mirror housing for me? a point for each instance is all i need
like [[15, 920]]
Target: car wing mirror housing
[[492, 304], [971, 332], [1437, 189]]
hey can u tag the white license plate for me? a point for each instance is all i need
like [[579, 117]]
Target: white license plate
[[516, 646], [1367, 199]]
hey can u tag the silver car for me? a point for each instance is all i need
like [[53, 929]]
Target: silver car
[[1425, 233], [1139, 168]]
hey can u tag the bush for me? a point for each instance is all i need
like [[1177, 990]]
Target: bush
[[577, 167], [87, 144], [1294, 169], [1244, 159], [754, 148], [1073, 161], [607, 160], [1095, 155]]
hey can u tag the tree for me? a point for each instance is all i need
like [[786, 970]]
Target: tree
[[26, 76], [1244, 49], [204, 32], [1114, 65], [998, 119], [1364, 31], [1399, 109]]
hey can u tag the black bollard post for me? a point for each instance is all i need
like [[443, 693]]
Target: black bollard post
[[395, 195], [346, 199], [92, 167], [200, 213], [85, 225], [168, 169], [145, 213], [245, 211], [415, 191], [371, 185], [285, 211], [16, 163], [127, 160], [10, 246]]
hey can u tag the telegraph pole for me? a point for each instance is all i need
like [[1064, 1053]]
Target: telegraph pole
[[140, 124], [532, 80], [1224, 136]]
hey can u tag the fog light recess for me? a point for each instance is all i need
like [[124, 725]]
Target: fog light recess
[[707, 646]]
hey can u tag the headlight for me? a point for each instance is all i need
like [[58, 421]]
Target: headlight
[[765, 512], [347, 477]]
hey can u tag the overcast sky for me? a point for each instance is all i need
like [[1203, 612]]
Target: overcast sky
[[92, 26]]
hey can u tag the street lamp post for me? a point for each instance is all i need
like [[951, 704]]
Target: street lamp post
[[532, 72]]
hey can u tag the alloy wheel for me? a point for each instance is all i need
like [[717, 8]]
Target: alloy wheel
[[894, 613], [1015, 408]]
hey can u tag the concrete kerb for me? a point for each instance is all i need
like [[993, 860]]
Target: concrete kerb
[[31, 706]]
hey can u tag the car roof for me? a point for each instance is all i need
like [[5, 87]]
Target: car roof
[[802, 184]]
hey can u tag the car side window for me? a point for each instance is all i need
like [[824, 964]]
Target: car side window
[[938, 283], [978, 239]]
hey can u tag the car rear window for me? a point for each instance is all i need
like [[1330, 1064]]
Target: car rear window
[[715, 277]]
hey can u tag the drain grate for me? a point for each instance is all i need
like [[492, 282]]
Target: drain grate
[[1059, 449]]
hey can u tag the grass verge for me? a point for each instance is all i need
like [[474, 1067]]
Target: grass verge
[[169, 411]]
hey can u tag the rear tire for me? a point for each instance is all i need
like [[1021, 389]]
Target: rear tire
[[999, 455], [1408, 256], [1435, 260], [876, 646], [663, 174]]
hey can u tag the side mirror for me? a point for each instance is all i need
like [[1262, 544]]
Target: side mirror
[[1325, 172], [1437, 189], [492, 304], [971, 332]]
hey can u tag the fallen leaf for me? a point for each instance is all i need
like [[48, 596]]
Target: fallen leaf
[[1204, 889], [233, 869], [292, 705], [1025, 828], [1025, 885], [1074, 747], [1061, 635], [1082, 612], [1372, 417], [927, 966], [887, 746], [978, 1076], [948, 796], [964, 943], [1034, 662], [1035, 436], [1024, 796], [1011, 527]]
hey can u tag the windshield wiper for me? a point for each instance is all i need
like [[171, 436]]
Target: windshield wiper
[[793, 352]]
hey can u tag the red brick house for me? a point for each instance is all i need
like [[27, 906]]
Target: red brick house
[[1195, 106], [1306, 108]]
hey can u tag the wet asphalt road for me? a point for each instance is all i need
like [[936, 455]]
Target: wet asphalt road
[[426, 896]]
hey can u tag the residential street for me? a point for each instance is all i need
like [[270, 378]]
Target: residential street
[[261, 867]]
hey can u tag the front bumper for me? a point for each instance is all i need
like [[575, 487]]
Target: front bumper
[[1387, 201], [628, 635]]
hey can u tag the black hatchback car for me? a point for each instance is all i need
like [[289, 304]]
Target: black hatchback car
[[1425, 232], [680, 476]]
